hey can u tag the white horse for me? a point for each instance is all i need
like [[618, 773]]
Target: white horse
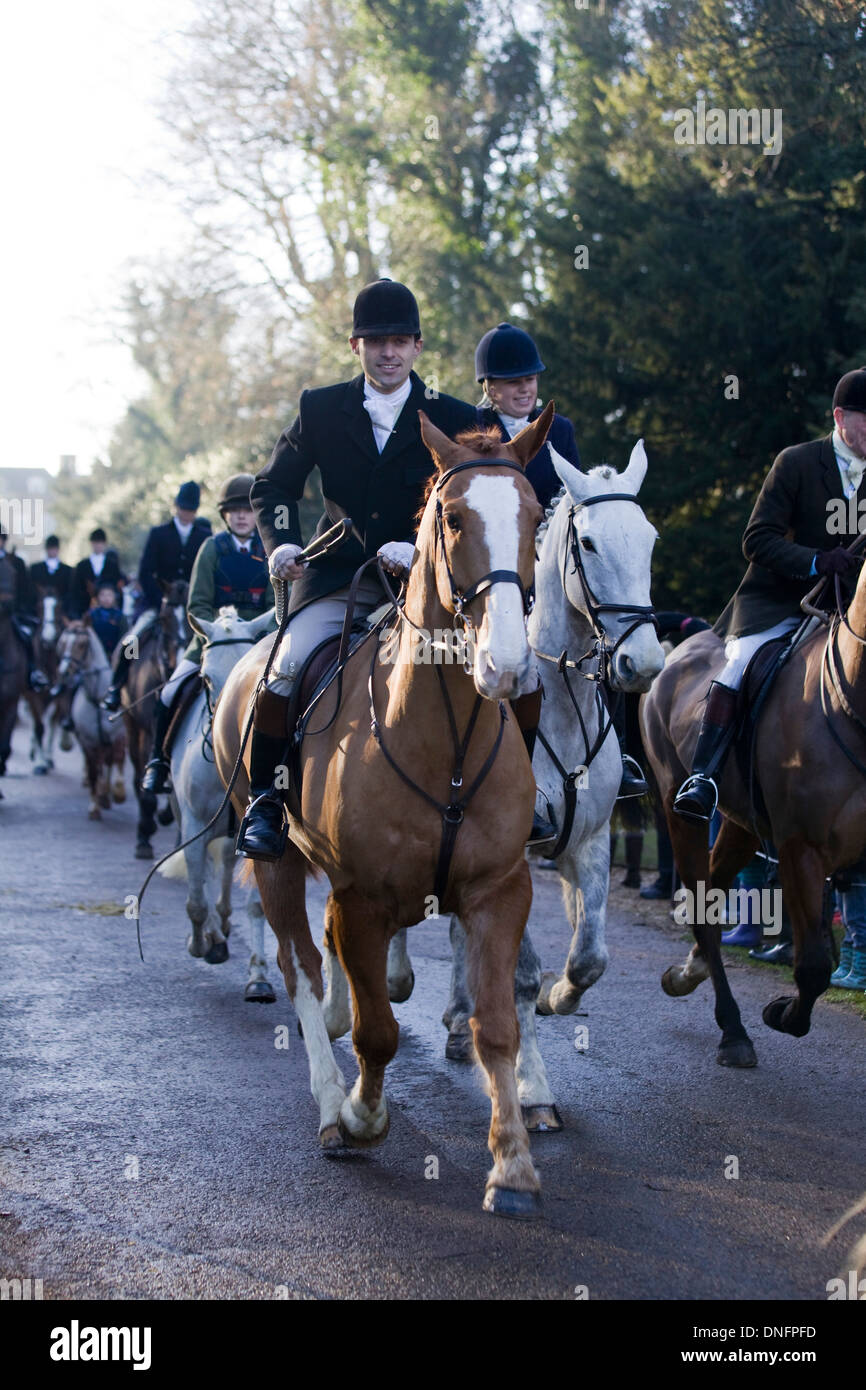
[[45, 713], [196, 796], [592, 585], [81, 657]]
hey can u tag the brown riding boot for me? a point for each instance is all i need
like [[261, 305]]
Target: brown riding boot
[[263, 830], [527, 711]]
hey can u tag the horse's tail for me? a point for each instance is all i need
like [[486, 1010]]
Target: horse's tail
[[175, 866]]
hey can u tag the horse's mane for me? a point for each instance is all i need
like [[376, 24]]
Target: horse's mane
[[603, 470], [484, 442]]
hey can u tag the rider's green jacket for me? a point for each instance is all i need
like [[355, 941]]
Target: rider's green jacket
[[797, 514], [224, 575]]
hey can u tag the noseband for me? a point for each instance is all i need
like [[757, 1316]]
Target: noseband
[[462, 599]]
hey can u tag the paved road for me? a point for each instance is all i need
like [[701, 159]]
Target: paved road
[[111, 1067]]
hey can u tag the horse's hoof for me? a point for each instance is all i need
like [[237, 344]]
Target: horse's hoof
[[505, 1201], [217, 954], [105, 802], [40, 770], [676, 989], [66, 740], [774, 1015], [119, 796], [260, 992], [354, 1141], [400, 995], [94, 813], [165, 816], [330, 1138], [143, 850], [460, 1047], [736, 1053], [541, 1119], [543, 1005]]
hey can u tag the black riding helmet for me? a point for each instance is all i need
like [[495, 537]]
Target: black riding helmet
[[506, 352]]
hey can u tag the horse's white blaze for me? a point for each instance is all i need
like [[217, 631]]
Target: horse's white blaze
[[497, 501]]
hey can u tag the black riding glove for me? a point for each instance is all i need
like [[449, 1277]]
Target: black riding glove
[[830, 562]]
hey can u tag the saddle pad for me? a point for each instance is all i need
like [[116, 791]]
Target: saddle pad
[[758, 680], [190, 689]]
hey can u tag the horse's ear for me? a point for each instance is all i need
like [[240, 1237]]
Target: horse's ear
[[576, 482], [201, 626], [261, 624], [636, 471], [445, 452], [527, 443]]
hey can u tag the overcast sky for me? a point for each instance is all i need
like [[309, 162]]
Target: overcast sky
[[78, 82]]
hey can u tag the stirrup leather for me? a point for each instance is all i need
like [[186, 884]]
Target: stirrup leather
[[692, 783]]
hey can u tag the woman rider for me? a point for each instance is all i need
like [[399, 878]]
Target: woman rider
[[507, 364]]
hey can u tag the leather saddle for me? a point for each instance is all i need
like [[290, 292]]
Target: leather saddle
[[755, 689], [317, 674], [190, 689]]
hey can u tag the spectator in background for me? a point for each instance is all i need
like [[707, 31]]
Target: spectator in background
[[106, 618], [18, 592], [851, 885]]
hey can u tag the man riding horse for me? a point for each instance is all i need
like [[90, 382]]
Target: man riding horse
[[169, 553], [18, 593], [786, 545], [230, 569]]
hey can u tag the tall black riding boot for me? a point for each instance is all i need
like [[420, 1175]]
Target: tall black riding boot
[[111, 698], [527, 712], [264, 829], [698, 797], [157, 772], [633, 855]]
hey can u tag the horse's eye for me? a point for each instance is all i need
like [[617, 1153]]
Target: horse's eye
[[452, 521], [587, 544]]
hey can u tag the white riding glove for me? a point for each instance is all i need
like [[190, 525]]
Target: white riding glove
[[282, 563], [396, 556]]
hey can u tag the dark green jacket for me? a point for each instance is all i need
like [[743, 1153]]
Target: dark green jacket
[[203, 601]]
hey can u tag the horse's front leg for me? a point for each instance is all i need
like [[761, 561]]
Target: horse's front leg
[[540, 1114], [337, 1007], [585, 876], [259, 989], [460, 1046], [401, 976], [361, 937], [494, 917], [92, 773], [691, 851], [283, 893], [40, 762], [206, 941], [118, 788], [802, 872]]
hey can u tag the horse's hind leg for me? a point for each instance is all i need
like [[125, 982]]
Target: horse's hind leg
[[118, 788], [585, 877], [460, 1046], [401, 976], [206, 941], [691, 850], [146, 827], [540, 1114], [802, 872], [259, 989], [494, 920], [360, 936], [337, 1007], [281, 886]]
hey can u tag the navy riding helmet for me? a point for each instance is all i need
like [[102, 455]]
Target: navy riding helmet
[[505, 352]]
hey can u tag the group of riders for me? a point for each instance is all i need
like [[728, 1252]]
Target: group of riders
[[364, 438]]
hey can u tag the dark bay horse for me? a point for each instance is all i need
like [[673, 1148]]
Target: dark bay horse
[[149, 669], [811, 766], [380, 841]]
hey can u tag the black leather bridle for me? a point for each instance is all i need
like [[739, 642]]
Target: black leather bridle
[[462, 599]]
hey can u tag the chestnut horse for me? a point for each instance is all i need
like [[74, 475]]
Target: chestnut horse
[[815, 797], [373, 798]]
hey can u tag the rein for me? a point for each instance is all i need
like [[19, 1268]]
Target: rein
[[601, 651]]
